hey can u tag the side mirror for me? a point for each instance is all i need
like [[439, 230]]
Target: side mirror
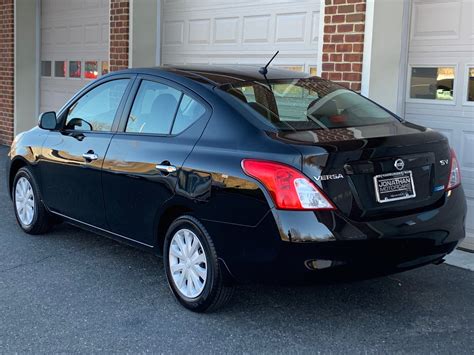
[[47, 120]]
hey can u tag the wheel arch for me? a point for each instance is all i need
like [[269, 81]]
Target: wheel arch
[[15, 165], [169, 214]]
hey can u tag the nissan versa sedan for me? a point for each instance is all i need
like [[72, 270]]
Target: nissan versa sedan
[[234, 174]]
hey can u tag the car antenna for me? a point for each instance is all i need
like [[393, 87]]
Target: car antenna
[[264, 70]]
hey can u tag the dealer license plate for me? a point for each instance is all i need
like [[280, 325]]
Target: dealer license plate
[[394, 186]]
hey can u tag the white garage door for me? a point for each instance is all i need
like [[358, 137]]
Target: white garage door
[[241, 32], [440, 91], [74, 47]]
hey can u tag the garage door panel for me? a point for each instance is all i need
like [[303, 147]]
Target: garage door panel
[[71, 30], [442, 36], [214, 31]]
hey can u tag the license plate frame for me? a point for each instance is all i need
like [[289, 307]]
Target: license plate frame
[[393, 193]]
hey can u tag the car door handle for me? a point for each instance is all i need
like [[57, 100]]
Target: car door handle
[[166, 168], [90, 156]]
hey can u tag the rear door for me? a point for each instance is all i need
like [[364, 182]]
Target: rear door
[[72, 156], [160, 125]]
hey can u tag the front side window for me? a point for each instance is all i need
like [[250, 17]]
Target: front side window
[[435, 83], [309, 103], [154, 109], [95, 111]]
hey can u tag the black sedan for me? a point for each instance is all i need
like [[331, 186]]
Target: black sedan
[[234, 175]]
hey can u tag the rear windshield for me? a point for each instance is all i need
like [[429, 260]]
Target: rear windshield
[[309, 103]]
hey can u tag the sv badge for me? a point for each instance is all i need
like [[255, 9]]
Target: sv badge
[[329, 177], [444, 162]]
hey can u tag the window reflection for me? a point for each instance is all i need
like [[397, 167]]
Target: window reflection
[[90, 70], [46, 68], [436, 83], [105, 67], [75, 69], [60, 69], [297, 68], [470, 85]]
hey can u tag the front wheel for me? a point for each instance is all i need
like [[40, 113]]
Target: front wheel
[[29, 210], [193, 271]]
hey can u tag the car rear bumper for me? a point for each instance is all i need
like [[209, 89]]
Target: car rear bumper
[[294, 245]]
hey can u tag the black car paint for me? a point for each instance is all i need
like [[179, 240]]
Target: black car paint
[[123, 196]]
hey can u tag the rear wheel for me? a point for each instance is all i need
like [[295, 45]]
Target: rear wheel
[[194, 273], [30, 212]]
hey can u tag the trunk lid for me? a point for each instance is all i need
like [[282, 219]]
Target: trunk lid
[[346, 161]]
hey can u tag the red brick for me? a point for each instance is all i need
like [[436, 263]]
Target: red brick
[[357, 67], [337, 38], [335, 76], [359, 17], [330, 29], [328, 66], [345, 47], [360, 7], [345, 28], [329, 48], [355, 86], [358, 47], [342, 67], [345, 83], [352, 76], [353, 57], [339, 2], [357, 37], [338, 18], [336, 57], [329, 10], [345, 9], [359, 27]]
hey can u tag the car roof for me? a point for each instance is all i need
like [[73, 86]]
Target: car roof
[[219, 75]]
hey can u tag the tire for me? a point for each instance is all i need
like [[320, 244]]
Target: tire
[[25, 188], [209, 291]]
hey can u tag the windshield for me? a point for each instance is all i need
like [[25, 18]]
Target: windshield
[[309, 103]]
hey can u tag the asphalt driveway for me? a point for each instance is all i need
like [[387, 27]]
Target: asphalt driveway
[[73, 291]]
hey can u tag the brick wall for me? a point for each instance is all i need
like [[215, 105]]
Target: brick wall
[[343, 42], [119, 34], [6, 70]]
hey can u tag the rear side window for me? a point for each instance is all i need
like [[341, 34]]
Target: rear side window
[[161, 109], [189, 112], [309, 103], [154, 108]]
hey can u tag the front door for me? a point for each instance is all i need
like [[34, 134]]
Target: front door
[[159, 130], [72, 157]]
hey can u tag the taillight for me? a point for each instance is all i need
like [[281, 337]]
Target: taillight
[[289, 188], [454, 173]]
